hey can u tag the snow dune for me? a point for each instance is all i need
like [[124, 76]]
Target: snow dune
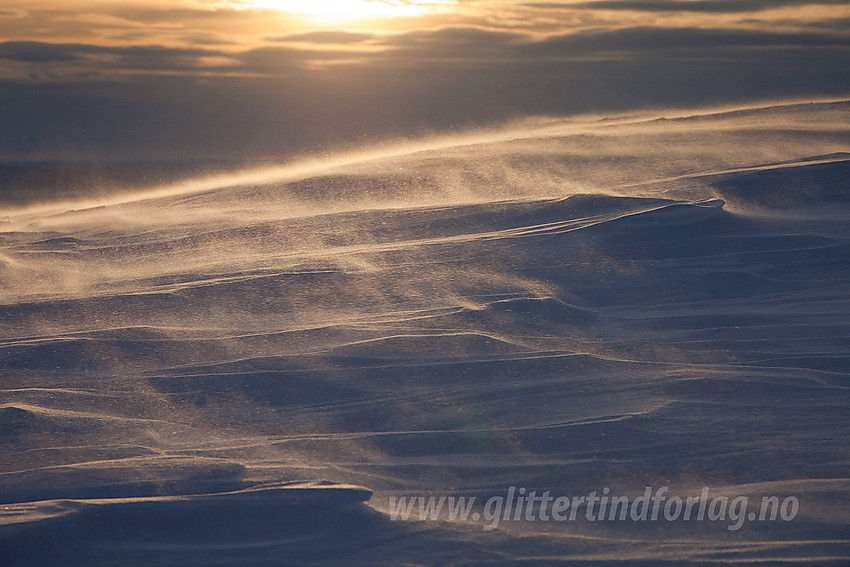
[[244, 368]]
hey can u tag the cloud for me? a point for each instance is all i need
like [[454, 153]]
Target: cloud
[[227, 82], [327, 37], [480, 45], [274, 61], [70, 61], [456, 37], [184, 15], [703, 6], [631, 41], [38, 52], [469, 45]]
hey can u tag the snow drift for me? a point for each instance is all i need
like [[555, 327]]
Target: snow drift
[[226, 369]]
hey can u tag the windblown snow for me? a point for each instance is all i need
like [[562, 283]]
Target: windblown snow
[[243, 368]]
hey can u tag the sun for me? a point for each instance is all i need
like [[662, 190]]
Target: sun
[[339, 11]]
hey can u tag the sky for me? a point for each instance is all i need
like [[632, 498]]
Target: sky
[[269, 79]]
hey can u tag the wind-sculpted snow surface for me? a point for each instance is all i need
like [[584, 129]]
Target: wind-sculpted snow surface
[[251, 368]]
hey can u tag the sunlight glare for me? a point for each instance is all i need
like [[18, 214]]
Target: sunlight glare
[[336, 11]]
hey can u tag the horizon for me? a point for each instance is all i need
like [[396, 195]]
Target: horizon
[[241, 80]]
